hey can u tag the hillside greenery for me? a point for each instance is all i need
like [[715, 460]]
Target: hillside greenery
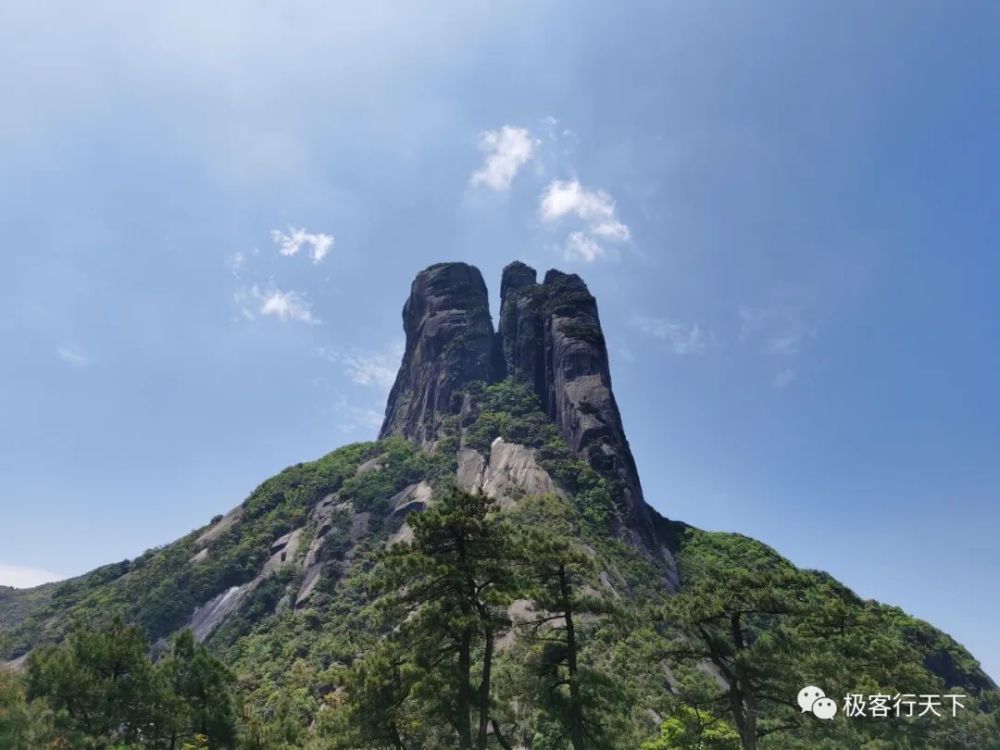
[[533, 625]]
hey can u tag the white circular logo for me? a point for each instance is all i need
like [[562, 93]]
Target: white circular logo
[[809, 695], [824, 708]]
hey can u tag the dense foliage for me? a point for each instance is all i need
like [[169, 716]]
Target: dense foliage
[[100, 689], [768, 629], [463, 624]]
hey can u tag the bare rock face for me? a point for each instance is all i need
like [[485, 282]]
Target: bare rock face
[[508, 472], [521, 332], [551, 338], [212, 614], [449, 343], [229, 520]]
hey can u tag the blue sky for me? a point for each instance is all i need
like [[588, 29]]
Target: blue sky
[[787, 212]]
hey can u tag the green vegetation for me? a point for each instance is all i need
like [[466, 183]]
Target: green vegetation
[[560, 573], [445, 610], [692, 729], [24, 725], [768, 629], [510, 410], [100, 689], [537, 625]]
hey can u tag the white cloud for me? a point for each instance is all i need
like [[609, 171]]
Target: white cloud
[[370, 368], [581, 246], [272, 301], [596, 209], [285, 305], [565, 197], [784, 378], [374, 369], [612, 230], [289, 244], [626, 354], [22, 578], [71, 357], [681, 338], [378, 370], [507, 150]]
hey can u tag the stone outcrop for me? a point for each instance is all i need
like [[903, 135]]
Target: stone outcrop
[[509, 471], [224, 524], [211, 614], [449, 343], [549, 336], [521, 333]]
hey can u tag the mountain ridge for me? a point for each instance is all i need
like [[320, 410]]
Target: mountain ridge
[[523, 414]]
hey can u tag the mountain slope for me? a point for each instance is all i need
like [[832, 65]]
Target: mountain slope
[[283, 586]]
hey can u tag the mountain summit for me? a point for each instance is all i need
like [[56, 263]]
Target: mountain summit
[[549, 338], [489, 562]]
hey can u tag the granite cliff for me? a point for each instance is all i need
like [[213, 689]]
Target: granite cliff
[[549, 337], [449, 343]]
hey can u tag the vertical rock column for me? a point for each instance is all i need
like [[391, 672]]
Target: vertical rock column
[[580, 399], [551, 337], [449, 343], [522, 327]]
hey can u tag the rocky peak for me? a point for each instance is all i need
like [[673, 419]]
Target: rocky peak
[[516, 277], [521, 337], [549, 336], [449, 343]]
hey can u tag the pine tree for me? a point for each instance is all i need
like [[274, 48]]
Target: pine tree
[[105, 691], [23, 724], [560, 571], [199, 690], [761, 629], [102, 685], [449, 588]]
